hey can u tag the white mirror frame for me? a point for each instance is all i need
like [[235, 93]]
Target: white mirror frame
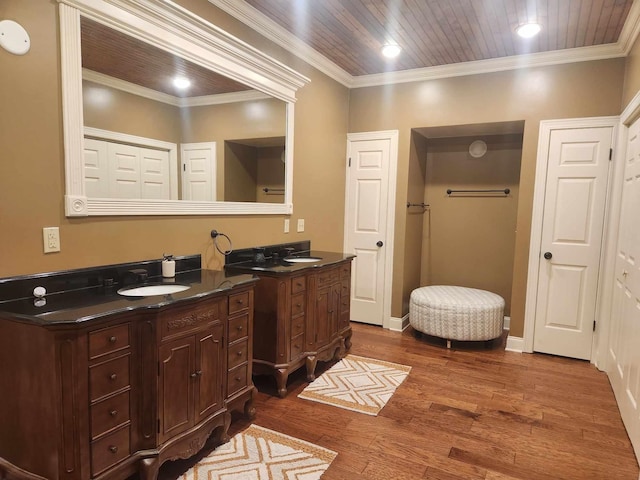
[[178, 31]]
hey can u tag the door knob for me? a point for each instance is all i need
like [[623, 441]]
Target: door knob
[[379, 243], [548, 255]]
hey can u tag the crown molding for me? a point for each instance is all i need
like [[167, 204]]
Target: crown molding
[[259, 22], [269, 29], [222, 98], [630, 29], [531, 60]]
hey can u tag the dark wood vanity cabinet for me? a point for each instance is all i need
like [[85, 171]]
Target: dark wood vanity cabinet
[[301, 318], [110, 397]]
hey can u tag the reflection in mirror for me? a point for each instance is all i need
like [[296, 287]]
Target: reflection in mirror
[[146, 138]]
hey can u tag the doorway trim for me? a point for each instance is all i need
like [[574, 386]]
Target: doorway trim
[[535, 244], [392, 136]]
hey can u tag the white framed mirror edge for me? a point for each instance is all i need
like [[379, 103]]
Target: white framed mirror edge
[[181, 31]]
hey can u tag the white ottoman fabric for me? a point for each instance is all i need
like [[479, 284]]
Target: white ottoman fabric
[[456, 313]]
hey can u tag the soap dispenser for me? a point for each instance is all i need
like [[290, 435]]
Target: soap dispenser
[[168, 266]]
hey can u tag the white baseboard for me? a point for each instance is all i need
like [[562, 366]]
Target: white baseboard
[[399, 324], [515, 344]]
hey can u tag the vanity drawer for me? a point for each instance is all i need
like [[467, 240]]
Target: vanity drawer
[[298, 284], [328, 276], [237, 354], [297, 326], [238, 327], [108, 377], [237, 379], [109, 450], [297, 304], [177, 320], [238, 302], [107, 340], [297, 345], [109, 413]]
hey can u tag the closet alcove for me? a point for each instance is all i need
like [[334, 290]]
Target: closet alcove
[[469, 177]]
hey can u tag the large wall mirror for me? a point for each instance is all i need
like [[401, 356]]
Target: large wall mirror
[[138, 142]]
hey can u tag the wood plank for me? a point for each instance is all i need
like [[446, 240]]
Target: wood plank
[[451, 419]]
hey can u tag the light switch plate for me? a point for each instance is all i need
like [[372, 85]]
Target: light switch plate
[[286, 225], [301, 225], [51, 238]]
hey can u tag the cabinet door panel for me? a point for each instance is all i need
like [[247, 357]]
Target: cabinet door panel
[[324, 304], [175, 386], [210, 366]]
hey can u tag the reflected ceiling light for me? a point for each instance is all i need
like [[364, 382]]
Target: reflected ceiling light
[[181, 83], [391, 50], [528, 30]]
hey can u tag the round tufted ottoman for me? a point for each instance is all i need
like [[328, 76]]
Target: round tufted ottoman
[[456, 313]]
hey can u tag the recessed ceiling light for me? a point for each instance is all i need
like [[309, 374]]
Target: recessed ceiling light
[[181, 83], [528, 30], [391, 50]]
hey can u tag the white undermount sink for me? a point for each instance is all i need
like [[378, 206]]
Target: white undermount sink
[[151, 290], [302, 259]]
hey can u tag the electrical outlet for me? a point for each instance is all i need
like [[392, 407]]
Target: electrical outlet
[[51, 238], [286, 225], [301, 225]]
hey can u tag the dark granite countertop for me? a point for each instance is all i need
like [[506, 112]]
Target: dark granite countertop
[[281, 266], [91, 303]]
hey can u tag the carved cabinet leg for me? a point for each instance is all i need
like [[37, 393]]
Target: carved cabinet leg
[[311, 363], [347, 341], [149, 468], [281, 379], [249, 409]]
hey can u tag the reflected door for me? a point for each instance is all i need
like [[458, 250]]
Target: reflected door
[[575, 198], [198, 171]]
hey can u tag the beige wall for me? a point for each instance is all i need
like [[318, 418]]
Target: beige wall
[[32, 170], [241, 172], [564, 91], [32, 166], [117, 111], [632, 74], [469, 240]]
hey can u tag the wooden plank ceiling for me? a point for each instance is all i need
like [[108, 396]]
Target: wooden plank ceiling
[[350, 33], [118, 55]]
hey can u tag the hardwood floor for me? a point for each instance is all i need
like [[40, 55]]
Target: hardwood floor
[[467, 413]]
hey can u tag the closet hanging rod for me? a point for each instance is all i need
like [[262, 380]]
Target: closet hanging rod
[[273, 191], [506, 191], [423, 205]]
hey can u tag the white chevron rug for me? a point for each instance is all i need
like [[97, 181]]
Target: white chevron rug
[[361, 384], [261, 454]]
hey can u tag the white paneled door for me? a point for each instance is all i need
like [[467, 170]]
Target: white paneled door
[[623, 364], [572, 227], [198, 171], [369, 222]]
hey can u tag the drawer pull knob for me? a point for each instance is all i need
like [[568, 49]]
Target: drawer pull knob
[[298, 305], [239, 301], [113, 413], [239, 328], [113, 376], [113, 449], [238, 379], [112, 339], [239, 353]]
